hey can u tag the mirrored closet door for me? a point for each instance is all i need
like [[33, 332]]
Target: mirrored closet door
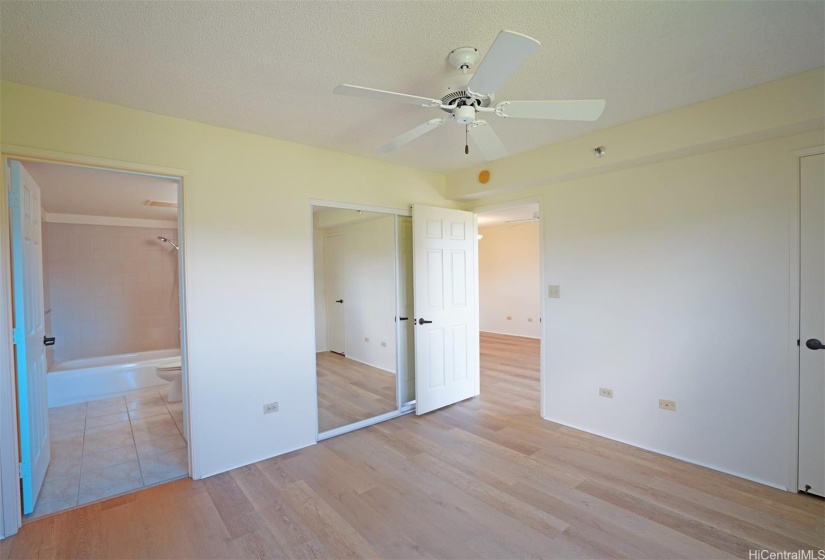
[[363, 316]]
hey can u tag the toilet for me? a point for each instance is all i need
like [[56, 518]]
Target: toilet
[[171, 372]]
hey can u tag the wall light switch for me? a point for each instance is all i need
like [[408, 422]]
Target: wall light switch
[[509, 318], [553, 291], [383, 345], [366, 339], [604, 392], [270, 408], [529, 319]]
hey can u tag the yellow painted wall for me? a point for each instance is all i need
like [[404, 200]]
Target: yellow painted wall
[[248, 236]]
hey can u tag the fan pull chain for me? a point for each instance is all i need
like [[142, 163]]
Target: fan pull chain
[[466, 143]]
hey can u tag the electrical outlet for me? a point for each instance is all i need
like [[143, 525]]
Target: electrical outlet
[[605, 392], [554, 291], [270, 408], [529, 319], [667, 405], [383, 345], [509, 318]]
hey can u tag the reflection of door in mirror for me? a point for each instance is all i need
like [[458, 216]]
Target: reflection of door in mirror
[[356, 302], [406, 353], [334, 277]]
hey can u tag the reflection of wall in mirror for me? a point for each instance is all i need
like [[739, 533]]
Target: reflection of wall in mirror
[[370, 291], [320, 289]]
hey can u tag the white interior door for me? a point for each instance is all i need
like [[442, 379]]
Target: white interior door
[[405, 313], [334, 270], [812, 326], [446, 307], [29, 331]]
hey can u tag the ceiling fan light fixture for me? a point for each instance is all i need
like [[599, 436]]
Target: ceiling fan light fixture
[[466, 114]]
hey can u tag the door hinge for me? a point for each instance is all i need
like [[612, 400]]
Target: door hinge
[[19, 470], [16, 335]]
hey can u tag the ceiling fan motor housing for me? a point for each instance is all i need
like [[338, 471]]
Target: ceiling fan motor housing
[[454, 92]]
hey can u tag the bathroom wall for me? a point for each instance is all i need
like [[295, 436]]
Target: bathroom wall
[[111, 289]]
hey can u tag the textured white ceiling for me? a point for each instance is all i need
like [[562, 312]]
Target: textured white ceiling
[[270, 67], [67, 189]]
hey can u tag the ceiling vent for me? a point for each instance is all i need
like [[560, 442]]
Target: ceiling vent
[[161, 203]]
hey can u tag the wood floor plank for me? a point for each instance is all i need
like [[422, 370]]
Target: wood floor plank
[[485, 478]]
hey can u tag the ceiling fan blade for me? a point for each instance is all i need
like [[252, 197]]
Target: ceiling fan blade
[[369, 93], [509, 51], [487, 141], [582, 110], [410, 135]]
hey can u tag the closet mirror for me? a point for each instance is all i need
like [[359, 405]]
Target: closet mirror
[[363, 306]]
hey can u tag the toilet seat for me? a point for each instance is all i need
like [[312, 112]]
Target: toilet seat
[[169, 366]]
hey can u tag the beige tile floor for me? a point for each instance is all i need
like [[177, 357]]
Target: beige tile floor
[[103, 448]]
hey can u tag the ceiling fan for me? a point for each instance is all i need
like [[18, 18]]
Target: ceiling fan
[[472, 91]]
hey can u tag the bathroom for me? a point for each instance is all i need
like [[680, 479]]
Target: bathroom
[[112, 321]]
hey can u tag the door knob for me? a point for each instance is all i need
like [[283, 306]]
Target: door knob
[[339, 301], [814, 344], [423, 322]]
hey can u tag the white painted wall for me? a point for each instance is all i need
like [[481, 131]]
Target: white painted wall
[[509, 275], [675, 284]]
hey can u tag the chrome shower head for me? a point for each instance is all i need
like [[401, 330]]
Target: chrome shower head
[[169, 241]]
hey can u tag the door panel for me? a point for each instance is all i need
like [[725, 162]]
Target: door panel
[[446, 349], [29, 329], [812, 325], [334, 267]]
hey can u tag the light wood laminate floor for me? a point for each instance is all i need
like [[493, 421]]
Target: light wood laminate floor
[[349, 391], [486, 478]]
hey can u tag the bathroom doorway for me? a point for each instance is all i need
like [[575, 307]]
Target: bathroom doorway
[[97, 270]]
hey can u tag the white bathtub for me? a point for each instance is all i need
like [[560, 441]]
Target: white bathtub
[[91, 379]]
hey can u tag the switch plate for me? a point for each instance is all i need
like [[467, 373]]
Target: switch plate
[[605, 392], [554, 291], [366, 339], [383, 345], [667, 405], [529, 319], [509, 318], [270, 408]]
